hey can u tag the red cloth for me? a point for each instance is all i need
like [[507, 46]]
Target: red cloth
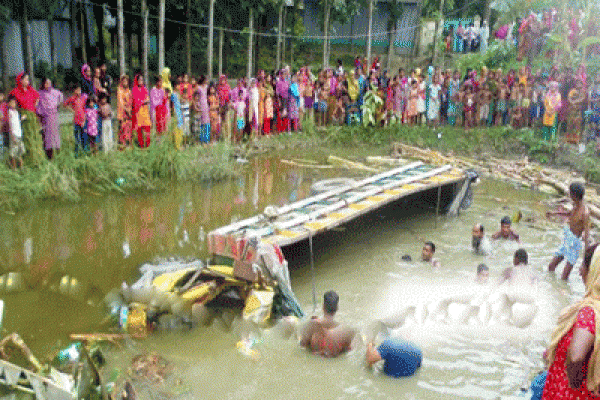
[[267, 126], [139, 95], [77, 104], [557, 383], [223, 90], [26, 97], [162, 111], [4, 121], [144, 136]]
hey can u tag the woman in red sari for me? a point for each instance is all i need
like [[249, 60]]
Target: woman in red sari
[[141, 111], [27, 97], [574, 352]]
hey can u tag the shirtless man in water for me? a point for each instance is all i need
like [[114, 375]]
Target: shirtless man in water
[[325, 336], [427, 254], [578, 225], [506, 231]]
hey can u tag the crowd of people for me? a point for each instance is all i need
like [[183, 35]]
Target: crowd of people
[[195, 110]]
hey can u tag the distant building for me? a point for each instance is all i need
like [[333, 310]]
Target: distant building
[[406, 26]]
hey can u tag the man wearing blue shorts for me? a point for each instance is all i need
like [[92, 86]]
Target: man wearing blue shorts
[[400, 358], [578, 225]]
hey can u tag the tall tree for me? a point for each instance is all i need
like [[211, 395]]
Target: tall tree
[[370, 30], [395, 13], [435, 32], [98, 13], [211, 29], [121, 35], [327, 16], [188, 37], [145, 40], [26, 31], [161, 35], [221, 39], [340, 11], [250, 41], [279, 32], [4, 22]]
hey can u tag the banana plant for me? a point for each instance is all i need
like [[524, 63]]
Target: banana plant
[[372, 104]]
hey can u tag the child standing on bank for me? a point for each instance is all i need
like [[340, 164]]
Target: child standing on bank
[[77, 103], [17, 148], [91, 125], [106, 116], [240, 110]]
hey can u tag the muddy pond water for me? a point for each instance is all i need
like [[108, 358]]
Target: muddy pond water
[[59, 260]]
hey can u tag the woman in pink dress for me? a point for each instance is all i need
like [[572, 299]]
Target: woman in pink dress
[[47, 109]]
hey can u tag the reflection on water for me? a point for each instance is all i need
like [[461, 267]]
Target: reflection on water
[[58, 262]]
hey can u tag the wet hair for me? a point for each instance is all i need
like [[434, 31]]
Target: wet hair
[[482, 268], [330, 302], [480, 226], [576, 190], [521, 256], [505, 220], [431, 245]]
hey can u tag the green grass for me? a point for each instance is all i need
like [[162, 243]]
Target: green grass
[[67, 176]]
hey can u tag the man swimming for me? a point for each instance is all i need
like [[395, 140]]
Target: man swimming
[[520, 271], [400, 358], [483, 274], [427, 254], [325, 336], [479, 242], [506, 231], [578, 225], [521, 279]]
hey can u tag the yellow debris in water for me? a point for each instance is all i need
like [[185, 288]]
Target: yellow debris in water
[[517, 217]]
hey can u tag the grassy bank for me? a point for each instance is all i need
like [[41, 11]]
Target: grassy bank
[[499, 142], [68, 176]]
